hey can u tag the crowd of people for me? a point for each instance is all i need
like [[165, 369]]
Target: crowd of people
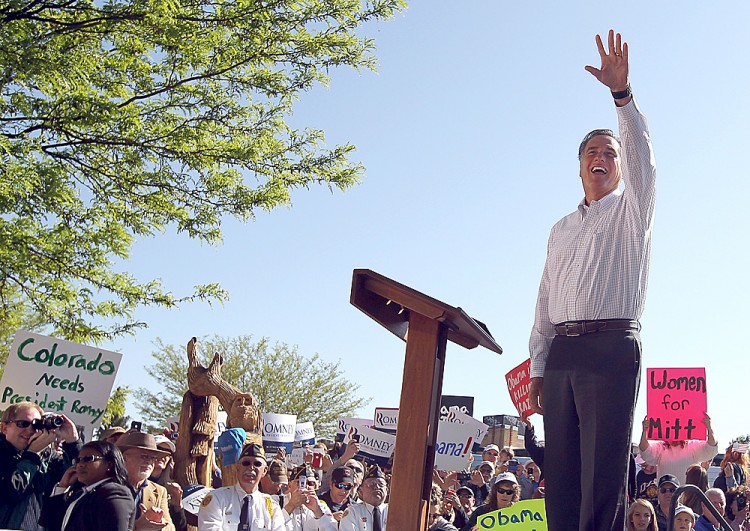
[[125, 480]]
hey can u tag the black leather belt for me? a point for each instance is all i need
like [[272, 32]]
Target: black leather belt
[[578, 328]]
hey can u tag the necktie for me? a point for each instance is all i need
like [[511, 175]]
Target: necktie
[[247, 504], [376, 519], [281, 500]]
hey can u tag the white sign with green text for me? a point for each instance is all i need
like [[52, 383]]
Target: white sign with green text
[[62, 377]]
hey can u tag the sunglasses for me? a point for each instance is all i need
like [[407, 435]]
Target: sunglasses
[[664, 490], [343, 486], [23, 424], [506, 491], [256, 464], [87, 459], [465, 495]]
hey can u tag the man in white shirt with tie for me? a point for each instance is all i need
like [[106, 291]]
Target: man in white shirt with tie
[[242, 507], [370, 514]]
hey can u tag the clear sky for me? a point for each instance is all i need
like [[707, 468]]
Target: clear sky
[[469, 133]]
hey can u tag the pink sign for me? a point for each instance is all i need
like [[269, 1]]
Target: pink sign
[[518, 386], [677, 403]]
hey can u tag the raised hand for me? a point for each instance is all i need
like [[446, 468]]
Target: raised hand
[[613, 71]]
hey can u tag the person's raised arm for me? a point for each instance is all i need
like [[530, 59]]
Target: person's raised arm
[[613, 71]]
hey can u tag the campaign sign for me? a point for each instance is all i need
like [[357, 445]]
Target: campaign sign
[[480, 427], [526, 515], [386, 419], [454, 445], [278, 432], [676, 401], [62, 377], [448, 403], [345, 423], [304, 433], [374, 446], [519, 382]]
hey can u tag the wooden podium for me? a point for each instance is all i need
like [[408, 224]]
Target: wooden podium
[[426, 325]]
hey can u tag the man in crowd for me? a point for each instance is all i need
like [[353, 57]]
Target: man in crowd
[[304, 511], [242, 506], [338, 496], [30, 464], [684, 518], [435, 520], [491, 453], [276, 482], [481, 481], [667, 485], [645, 482], [371, 514], [707, 521], [585, 342], [112, 434], [151, 500]]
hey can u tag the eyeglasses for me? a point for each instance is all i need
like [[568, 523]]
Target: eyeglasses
[[87, 459], [247, 463], [664, 490], [146, 457], [506, 491], [343, 486], [465, 495], [23, 424]]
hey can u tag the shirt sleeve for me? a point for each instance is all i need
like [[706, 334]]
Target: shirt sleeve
[[543, 330], [210, 515], [638, 166]]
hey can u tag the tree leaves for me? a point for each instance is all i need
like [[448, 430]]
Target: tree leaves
[[280, 378], [130, 118]]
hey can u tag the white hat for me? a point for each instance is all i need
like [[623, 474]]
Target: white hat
[[506, 476], [684, 509], [491, 447]]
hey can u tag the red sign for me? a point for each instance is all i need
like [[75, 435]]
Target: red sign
[[677, 404], [518, 386]]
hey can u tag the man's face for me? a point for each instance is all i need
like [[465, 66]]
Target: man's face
[[486, 473], [340, 491], [359, 471], [665, 493], [718, 500], [17, 436], [467, 500], [250, 471], [490, 455], [139, 464], [683, 522], [373, 491], [600, 166]]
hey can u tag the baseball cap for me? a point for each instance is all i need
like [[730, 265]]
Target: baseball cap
[[684, 509], [506, 476], [343, 474], [669, 478]]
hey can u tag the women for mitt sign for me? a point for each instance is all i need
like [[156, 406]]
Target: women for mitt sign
[[62, 377]]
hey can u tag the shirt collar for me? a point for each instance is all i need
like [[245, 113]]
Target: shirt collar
[[605, 201]]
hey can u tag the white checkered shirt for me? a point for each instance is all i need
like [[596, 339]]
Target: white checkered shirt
[[598, 256]]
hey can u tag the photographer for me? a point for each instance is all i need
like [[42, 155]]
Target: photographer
[[737, 508], [29, 467]]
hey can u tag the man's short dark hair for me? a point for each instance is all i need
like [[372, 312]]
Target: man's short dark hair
[[592, 134]]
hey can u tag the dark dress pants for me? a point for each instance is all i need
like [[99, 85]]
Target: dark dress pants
[[590, 389]]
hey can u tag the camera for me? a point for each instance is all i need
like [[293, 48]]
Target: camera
[[302, 482], [463, 476], [48, 422], [741, 501], [356, 437], [136, 425], [512, 465]]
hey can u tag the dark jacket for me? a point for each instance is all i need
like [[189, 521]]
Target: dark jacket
[[108, 507], [441, 524], [25, 478], [721, 480], [479, 511]]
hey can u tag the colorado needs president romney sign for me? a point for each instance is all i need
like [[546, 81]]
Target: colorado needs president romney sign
[[62, 377]]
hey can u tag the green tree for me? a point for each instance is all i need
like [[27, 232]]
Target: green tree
[[280, 378], [122, 119], [114, 413]]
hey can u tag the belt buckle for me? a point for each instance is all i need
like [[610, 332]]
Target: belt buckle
[[568, 327]]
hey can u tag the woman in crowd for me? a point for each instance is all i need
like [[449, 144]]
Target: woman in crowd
[[641, 516], [733, 468], [695, 475], [505, 492], [93, 495]]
